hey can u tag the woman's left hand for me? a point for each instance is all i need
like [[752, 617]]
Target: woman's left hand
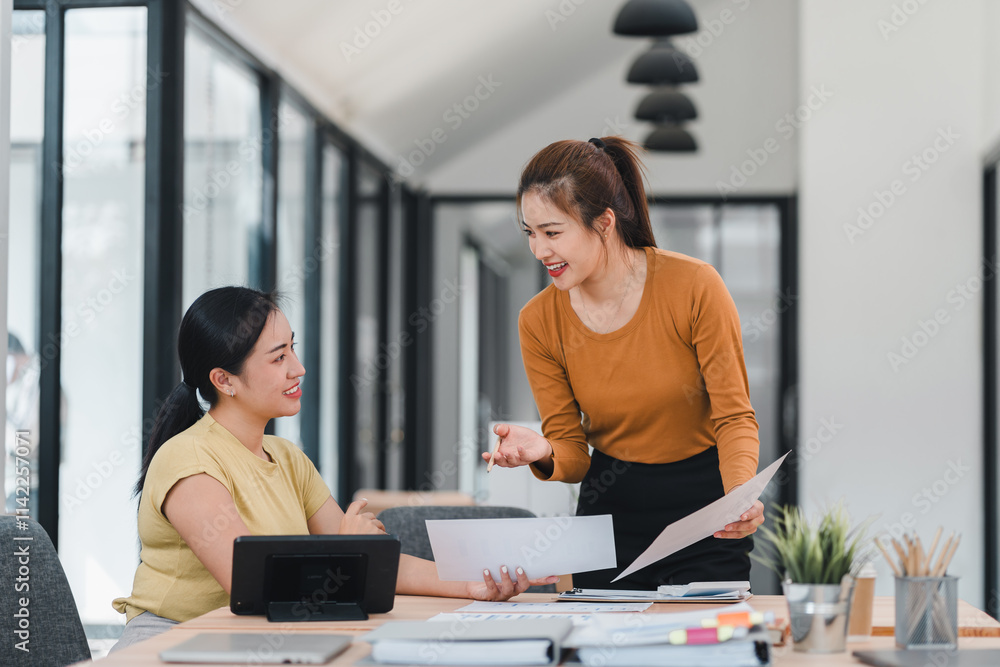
[[747, 524], [488, 590]]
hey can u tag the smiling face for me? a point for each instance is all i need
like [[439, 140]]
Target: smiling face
[[571, 252], [269, 384]]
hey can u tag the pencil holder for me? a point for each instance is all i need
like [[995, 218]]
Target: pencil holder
[[927, 612]]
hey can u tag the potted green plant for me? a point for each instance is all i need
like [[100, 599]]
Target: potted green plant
[[817, 561]]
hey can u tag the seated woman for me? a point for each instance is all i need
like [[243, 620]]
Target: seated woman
[[209, 478]]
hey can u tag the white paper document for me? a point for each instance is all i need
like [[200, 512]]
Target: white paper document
[[551, 607], [463, 548], [705, 522]]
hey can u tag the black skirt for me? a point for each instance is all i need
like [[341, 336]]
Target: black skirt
[[643, 499]]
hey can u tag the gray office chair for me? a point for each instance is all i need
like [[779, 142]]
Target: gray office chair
[[31, 572], [407, 523]]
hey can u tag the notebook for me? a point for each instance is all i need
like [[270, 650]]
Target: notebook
[[266, 648], [935, 657]]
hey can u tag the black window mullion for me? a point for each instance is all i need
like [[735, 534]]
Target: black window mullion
[[50, 281], [990, 459], [347, 425], [270, 101], [380, 430], [312, 288], [410, 271], [164, 228], [788, 344]]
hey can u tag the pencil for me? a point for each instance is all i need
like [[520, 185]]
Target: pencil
[[489, 466], [885, 553]]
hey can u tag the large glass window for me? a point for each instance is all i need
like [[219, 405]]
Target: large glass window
[[368, 365], [103, 168], [333, 215], [223, 173], [292, 225], [23, 360]]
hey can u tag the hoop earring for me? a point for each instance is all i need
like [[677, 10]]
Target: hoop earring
[[232, 393]]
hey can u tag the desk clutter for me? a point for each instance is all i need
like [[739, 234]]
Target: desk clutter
[[733, 636]]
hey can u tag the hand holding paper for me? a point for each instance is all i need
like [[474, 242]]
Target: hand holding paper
[[557, 545], [704, 522]]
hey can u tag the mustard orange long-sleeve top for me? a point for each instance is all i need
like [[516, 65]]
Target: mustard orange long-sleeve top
[[666, 386]]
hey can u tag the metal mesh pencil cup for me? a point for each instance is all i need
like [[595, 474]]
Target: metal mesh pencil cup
[[927, 612]]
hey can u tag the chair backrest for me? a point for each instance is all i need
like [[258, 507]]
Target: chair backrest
[[408, 524], [38, 616]]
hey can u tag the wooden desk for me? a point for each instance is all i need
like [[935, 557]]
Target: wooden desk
[[977, 629]]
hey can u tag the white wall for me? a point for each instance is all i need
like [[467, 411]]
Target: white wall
[[900, 424]]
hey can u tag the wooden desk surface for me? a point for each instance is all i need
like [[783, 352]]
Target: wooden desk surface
[[978, 630]]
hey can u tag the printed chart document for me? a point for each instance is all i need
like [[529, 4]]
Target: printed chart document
[[705, 522], [517, 642], [463, 548]]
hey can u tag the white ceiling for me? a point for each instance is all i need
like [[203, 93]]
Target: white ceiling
[[560, 73]]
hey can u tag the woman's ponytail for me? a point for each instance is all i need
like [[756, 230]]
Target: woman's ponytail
[[180, 412], [639, 233]]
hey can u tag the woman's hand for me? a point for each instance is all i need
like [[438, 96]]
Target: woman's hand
[[747, 524], [489, 591], [354, 522], [518, 446]]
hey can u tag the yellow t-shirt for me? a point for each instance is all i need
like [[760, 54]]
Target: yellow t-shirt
[[271, 498]]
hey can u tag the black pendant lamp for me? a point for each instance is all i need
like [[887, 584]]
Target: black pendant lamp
[[655, 18], [670, 138], [663, 65], [666, 106]]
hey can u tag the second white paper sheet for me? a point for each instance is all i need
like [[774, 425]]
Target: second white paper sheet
[[704, 522], [463, 548]]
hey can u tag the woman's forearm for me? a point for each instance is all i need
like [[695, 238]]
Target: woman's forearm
[[419, 577]]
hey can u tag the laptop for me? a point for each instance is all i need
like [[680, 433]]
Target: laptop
[[258, 648]]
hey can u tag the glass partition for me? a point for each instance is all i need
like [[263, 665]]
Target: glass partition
[[292, 224], [333, 214], [23, 359], [223, 173], [103, 169]]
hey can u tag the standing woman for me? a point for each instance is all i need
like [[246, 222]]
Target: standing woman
[[637, 352], [208, 478]]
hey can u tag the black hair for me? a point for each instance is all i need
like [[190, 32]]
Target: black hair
[[219, 330]]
